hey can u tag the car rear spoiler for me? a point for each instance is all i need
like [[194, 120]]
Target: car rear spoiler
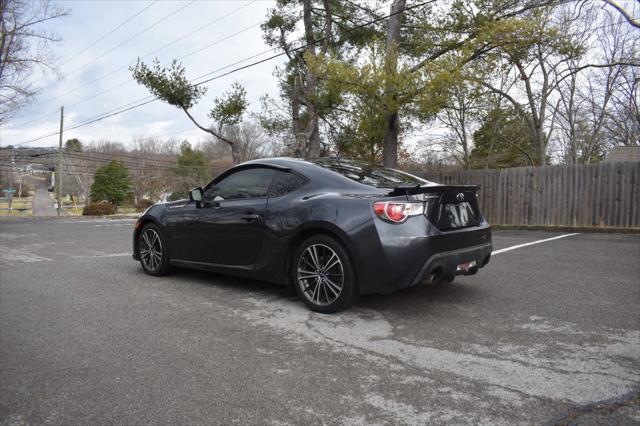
[[433, 189]]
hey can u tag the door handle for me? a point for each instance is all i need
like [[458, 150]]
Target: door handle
[[250, 217]]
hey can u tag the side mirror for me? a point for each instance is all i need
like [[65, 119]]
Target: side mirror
[[196, 195]]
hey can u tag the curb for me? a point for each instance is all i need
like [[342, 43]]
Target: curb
[[54, 218]]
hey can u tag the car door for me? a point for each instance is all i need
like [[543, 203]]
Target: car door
[[230, 224]]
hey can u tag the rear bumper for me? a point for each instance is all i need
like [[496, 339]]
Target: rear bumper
[[446, 263], [390, 257]]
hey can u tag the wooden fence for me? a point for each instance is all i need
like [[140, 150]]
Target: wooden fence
[[605, 194]]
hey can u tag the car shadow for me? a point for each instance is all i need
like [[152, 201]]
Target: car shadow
[[246, 286], [421, 296], [414, 299]]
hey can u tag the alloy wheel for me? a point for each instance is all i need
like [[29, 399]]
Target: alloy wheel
[[320, 274], [150, 249]]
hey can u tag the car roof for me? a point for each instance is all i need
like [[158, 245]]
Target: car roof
[[299, 165], [311, 170], [287, 162]]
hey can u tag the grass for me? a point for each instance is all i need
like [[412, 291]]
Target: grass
[[72, 211], [21, 207], [123, 210]]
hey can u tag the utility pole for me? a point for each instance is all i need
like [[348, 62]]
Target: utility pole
[[60, 163], [10, 193]]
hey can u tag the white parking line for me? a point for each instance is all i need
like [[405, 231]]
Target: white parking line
[[100, 255], [75, 221], [532, 243]]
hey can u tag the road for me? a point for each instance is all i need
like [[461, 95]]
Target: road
[[42, 204], [546, 333]]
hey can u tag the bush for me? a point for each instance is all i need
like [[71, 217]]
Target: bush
[[97, 209], [144, 204]]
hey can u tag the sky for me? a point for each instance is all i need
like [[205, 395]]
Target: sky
[[209, 34], [231, 33]]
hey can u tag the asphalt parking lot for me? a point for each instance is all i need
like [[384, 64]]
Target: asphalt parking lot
[[546, 333]]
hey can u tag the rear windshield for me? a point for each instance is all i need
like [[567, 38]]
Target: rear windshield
[[371, 174]]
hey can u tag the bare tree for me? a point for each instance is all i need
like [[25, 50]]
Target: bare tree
[[597, 99], [623, 123], [24, 46], [150, 169], [633, 21], [460, 116], [252, 142]]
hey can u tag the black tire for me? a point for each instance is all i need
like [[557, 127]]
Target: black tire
[[317, 287], [150, 262]]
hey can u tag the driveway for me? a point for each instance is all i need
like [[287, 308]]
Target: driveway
[[42, 204]]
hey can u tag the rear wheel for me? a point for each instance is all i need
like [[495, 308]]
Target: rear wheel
[[323, 275], [153, 252]]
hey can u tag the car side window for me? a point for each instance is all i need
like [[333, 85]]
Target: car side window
[[285, 182], [246, 183]]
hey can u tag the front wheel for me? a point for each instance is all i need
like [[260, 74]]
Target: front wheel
[[153, 252], [323, 275]]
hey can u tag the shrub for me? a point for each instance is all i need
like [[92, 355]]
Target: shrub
[[97, 209], [144, 204], [111, 183]]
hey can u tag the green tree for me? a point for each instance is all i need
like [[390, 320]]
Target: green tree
[[172, 86], [329, 29], [111, 183], [190, 171], [503, 140], [427, 51], [73, 145]]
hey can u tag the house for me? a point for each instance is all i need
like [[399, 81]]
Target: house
[[623, 153]]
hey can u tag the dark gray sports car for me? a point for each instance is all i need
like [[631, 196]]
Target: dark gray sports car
[[332, 228]]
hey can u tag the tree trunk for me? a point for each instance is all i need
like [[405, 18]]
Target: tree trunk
[[541, 144], [235, 153], [313, 130], [391, 128], [298, 130]]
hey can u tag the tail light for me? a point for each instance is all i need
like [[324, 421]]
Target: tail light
[[397, 212]]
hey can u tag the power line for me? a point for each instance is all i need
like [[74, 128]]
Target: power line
[[102, 156], [136, 166], [40, 117], [304, 46], [125, 162], [91, 167], [225, 38], [182, 57], [219, 41], [208, 24], [126, 41], [138, 103], [90, 121], [109, 32]]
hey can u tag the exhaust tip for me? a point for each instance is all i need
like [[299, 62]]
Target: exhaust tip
[[435, 275]]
